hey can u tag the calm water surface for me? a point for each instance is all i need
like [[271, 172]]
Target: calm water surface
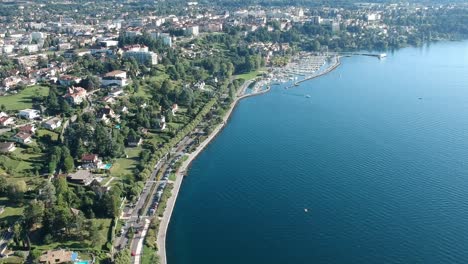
[[378, 155]]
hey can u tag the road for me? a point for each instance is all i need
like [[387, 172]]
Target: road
[[138, 215]]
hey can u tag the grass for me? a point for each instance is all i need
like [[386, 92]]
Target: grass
[[172, 176], [23, 99], [149, 256], [164, 197], [78, 243], [12, 260], [20, 165], [43, 132], [124, 166], [12, 211], [250, 75]]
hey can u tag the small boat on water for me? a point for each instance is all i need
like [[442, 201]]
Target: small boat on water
[[306, 210], [307, 96]]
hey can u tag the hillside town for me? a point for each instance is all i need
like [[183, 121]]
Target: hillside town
[[102, 102]]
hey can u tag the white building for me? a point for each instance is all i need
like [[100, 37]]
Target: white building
[[193, 31], [29, 113], [165, 37], [118, 78], [143, 57], [8, 49], [38, 36]]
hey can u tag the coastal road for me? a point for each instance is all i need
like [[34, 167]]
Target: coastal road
[[136, 216], [131, 214]]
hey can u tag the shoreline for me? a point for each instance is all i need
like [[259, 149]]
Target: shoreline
[[165, 220]]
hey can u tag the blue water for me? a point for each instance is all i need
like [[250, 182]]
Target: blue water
[[383, 173]]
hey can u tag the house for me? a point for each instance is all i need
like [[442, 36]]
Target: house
[[6, 147], [75, 95], [23, 137], [106, 113], [90, 161], [29, 113], [174, 108], [6, 121], [82, 177], [68, 80], [30, 129], [134, 141], [118, 78], [58, 256], [52, 123], [162, 123]]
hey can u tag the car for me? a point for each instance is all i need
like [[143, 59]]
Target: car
[[133, 253]]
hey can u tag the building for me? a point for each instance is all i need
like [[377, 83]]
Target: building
[[165, 37], [68, 80], [58, 256], [75, 95], [90, 161], [23, 137], [6, 121], [134, 141], [162, 123], [192, 31], [118, 78], [53, 123], [317, 20], [82, 177], [6, 147], [29, 114], [174, 108], [142, 57], [30, 129]]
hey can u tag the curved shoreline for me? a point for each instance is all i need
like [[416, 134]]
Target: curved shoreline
[[164, 224], [165, 220]]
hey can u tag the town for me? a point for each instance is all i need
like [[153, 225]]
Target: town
[[102, 103]]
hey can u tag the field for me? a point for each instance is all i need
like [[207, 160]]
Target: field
[[250, 75], [12, 211], [23, 99], [21, 163], [124, 166], [74, 244]]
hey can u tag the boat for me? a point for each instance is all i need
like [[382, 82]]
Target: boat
[[307, 96], [306, 210]]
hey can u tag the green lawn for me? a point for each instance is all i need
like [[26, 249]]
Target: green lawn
[[12, 211], [22, 100], [149, 256], [42, 132], [19, 162], [11, 260], [124, 166], [250, 75], [75, 244]]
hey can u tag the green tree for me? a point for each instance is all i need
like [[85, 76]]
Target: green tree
[[16, 190], [68, 164], [33, 213], [123, 257]]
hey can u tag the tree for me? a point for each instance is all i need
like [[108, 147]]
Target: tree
[[33, 213], [68, 164], [3, 186], [16, 190], [123, 257], [95, 236]]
